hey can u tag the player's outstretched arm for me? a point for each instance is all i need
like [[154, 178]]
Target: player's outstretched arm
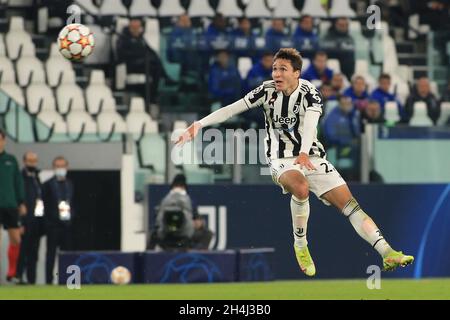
[[216, 117]]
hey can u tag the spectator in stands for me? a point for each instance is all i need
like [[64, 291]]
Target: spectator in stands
[[305, 38], [422, 92], [244, 39], [338, 83], [433, 12], [372, 113], [224, 80], [58, 197], [260, 71], [340, 45], [341, 126], [318, 69], [327, 92], [446, 98], [358, 93], [382, 95], [217, 35], [33, 222], [341, 129], [276, 35], [11, 205], [181, 44], [140, 58], [178, 225]]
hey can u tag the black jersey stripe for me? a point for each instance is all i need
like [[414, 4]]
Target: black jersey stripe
[[269, 122], [297, 135]]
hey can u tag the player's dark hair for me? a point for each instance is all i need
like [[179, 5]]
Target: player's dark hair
[[2, 134], [292, 55]]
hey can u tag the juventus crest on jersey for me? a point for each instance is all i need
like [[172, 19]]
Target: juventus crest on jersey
[[284, 116]]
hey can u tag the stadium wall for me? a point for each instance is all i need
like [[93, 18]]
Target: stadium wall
[[413, 218]]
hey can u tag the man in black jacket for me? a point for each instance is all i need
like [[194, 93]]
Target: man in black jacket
[[422, 92], [140, 58], [58, 207], [33, 222]]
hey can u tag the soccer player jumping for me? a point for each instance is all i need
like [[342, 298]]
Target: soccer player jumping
[[292, 107]]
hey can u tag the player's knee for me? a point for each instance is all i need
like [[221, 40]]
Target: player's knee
[[301, 190]]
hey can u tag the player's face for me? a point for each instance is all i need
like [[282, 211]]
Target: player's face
[[283, 74]]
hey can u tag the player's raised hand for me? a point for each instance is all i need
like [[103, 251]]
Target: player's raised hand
[[303, 161], [189, 134]]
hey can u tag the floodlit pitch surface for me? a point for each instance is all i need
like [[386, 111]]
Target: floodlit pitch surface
[[285, 290]]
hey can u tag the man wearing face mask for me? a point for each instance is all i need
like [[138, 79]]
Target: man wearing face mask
[[33, 222], [57, 194]]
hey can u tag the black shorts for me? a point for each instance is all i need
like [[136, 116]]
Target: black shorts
[[9, 218]]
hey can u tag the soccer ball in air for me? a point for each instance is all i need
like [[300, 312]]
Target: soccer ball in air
[[120, 275], [75, 42]]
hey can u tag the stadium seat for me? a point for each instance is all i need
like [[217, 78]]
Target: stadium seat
[[102, 50], [40, 98], [244, 66], [99, 96], [142, 8], [200, 8], [391, 112], [9, 86], [285, 9], [6, 69], [56, 66], [2, 46], [229, 8], [80, 122], [52, 119], [137, 118], [341, 8], [257, 9], [445, 114], [324, 26], [89, 6], [314, 8], [69, 98], [170, 8], [152, 149], [400, 87], [113, 8], [179, 125], [30, 70], [306, 63], [334, 65], [20, 3], [17, 39], [362, 69], [152, 34], [110, 121], [420, 117]]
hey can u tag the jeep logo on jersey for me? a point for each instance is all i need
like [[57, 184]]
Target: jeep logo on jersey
[[285, 120]]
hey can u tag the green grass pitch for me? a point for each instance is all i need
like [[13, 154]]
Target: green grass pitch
[[297, 290]]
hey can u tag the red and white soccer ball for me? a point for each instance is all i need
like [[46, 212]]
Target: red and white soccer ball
[[75, 42], [120, 275]]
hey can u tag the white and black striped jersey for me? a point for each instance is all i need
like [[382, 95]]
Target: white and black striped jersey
[[284, 117]]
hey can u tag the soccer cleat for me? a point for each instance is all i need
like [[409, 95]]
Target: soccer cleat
[[395, 259], [305, 261]]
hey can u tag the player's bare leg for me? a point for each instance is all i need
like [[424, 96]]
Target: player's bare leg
[[342, 198], [297, 185]]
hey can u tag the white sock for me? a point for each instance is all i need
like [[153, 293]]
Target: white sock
[[365, 227], [300, 215]]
